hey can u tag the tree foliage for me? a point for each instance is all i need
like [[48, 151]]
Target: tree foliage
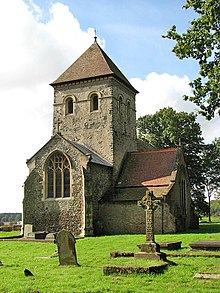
[[166, 128], [10, 217], [215, 208], [202, 43], [211, 170]]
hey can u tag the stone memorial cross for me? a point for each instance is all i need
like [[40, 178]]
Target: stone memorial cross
[[149, 202]]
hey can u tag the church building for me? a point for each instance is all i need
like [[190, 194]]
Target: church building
[[92, 172]]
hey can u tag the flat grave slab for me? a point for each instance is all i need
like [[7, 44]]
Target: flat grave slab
[[121, 270], [36, 235], [170, 245], [206, 276], [206, 245]]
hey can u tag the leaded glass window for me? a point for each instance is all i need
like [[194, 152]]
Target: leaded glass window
[[58, 176]]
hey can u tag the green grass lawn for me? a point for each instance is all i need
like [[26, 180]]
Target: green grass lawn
[[93, 253]]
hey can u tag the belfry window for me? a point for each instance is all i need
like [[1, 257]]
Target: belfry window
[[120, 105], [128, 110], [57, 176], [69, 106], [94, 103]]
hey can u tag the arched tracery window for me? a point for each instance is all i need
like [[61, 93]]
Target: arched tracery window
[[57, 176]]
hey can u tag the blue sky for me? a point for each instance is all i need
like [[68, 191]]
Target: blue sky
[[132, 31], [41, 38]]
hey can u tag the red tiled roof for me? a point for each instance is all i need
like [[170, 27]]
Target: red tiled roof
[[148, 168], [94, 62]]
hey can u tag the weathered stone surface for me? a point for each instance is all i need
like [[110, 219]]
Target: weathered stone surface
[[206, 245], [170, 245], [151, 256], [120, 270], [206, 276], [50, 236], [28, 228], [66, 248], [115, 254], [149, 247]]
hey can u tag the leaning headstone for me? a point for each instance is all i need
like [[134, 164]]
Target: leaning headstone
[[28, 228], [66, 248], [150, 249]]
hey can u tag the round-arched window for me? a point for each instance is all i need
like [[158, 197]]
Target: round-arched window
[[94, 102], [69, 106]]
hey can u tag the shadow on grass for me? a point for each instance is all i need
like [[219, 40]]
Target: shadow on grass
[[204, 228]]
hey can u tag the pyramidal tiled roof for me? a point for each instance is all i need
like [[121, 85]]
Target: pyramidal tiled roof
[[94, 62]]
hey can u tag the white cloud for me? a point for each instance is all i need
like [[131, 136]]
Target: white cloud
[[158, 91], [33, 54]]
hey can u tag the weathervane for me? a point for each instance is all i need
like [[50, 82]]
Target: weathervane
[[95, 37]]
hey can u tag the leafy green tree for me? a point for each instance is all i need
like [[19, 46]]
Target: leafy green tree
[[215, 208], [166, 128], [211, 170], [201, 42]]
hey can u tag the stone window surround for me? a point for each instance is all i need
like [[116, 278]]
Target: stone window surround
[[93, 106], [68, 110], [45, 179]]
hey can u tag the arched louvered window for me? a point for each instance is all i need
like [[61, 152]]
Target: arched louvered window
[[57, 176], [120, 105], [128, 111], [69, 106], [94, 103]]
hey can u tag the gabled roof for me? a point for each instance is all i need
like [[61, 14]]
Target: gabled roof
[[94, 62], [95, 158], [149, 168]]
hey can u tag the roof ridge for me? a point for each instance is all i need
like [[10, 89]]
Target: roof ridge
[[154, 151]]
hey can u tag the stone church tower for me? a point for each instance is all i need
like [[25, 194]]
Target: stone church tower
[[94, 104]]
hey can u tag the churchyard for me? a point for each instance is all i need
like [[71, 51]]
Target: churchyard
[[93, 253]]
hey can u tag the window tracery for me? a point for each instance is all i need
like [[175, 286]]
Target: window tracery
[[57, 176]]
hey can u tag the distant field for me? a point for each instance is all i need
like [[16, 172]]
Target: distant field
[[93, 253]]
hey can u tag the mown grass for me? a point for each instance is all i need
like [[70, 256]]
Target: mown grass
[[93, 253]]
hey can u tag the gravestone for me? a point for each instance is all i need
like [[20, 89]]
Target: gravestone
[[150, 249], [28, 228], [66, 248]]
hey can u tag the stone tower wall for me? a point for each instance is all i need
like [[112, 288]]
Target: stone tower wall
[[108, 131]]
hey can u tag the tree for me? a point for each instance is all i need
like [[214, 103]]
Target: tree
[[211, 170], [166, 128], [215, 208], [202, 43]]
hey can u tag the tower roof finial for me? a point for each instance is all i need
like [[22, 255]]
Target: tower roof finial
[[95, 37]]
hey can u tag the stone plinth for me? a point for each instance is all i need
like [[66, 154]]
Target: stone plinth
[[150, 250], [150, 256], [149, 247]]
